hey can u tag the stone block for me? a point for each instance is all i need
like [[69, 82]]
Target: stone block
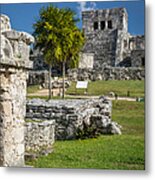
[[88, 112], [13, 92]]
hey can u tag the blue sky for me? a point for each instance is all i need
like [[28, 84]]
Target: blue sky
[[23, 15]]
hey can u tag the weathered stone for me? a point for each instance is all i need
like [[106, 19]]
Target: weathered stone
[[114, 128], [72, 115], [39, 136], [108, 44], [38, 78], [86, 60], [107, 38], [12, 92], [107, 73], [5, 23]]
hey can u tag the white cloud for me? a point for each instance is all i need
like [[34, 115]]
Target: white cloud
[[93, 5], [85, 6]]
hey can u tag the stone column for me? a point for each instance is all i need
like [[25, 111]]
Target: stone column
[[14, 62]]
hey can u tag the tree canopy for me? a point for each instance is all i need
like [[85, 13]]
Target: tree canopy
[[58, 36]]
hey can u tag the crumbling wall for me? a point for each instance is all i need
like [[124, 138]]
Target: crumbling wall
[[137, 47], [137, 42], [86, 60], [108, 44], [138, 58], [107, 36], [38, 78], [105, 31], [14, 60], [39, 136], [72, 115], [107, 73]]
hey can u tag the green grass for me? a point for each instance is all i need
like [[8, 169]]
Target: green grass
[[31, 121], [130, 115], [46, 97], [32, 89], [105, 152], [36, 97], [136, 88]]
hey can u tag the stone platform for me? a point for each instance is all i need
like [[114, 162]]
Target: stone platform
[[72, 115]]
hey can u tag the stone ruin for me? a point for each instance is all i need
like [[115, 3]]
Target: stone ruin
[[109, 47], [107, 73], [110, 51], [73, 115], [45, 121], [108, 40], [14, 62]]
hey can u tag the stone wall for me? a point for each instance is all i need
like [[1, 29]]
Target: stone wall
[[14, 61], [12, 112], [104, 31], [137, 42], [138, 58], [72, 115], [107, 73], [38, 60], [108, 44], [86, 60], [107, 37], [38, 78], [39, 136]]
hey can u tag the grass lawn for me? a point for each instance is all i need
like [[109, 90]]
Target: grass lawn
[[46, 97], [42, 97], [105, 152], [136, 88], [32, 89]]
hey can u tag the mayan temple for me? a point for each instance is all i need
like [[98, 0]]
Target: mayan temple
[[108, 42]]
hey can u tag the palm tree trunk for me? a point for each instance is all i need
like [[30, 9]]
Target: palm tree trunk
[[49, 83], [63, 75]]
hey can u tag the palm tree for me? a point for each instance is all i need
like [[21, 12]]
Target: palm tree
[[71, 53], [58, 37]]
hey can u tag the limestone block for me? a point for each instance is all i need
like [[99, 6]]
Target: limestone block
[[12, 93], [39, 135], [18, 135], [6, 108], [5, 23], [20, 149], [86, 60], [70, 116], [12, 34], [114, 128], [20, 36], [117, 73], [6, 48]]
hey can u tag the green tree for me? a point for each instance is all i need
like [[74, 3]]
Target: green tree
[[59, 38]]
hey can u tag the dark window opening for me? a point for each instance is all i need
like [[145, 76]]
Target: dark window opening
[[143, 61], [95, 25], [125, 44], [110, 24], [96, 13], [102, 25]]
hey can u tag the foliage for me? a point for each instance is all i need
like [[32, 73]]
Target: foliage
[[105, 152], [58, 37]]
